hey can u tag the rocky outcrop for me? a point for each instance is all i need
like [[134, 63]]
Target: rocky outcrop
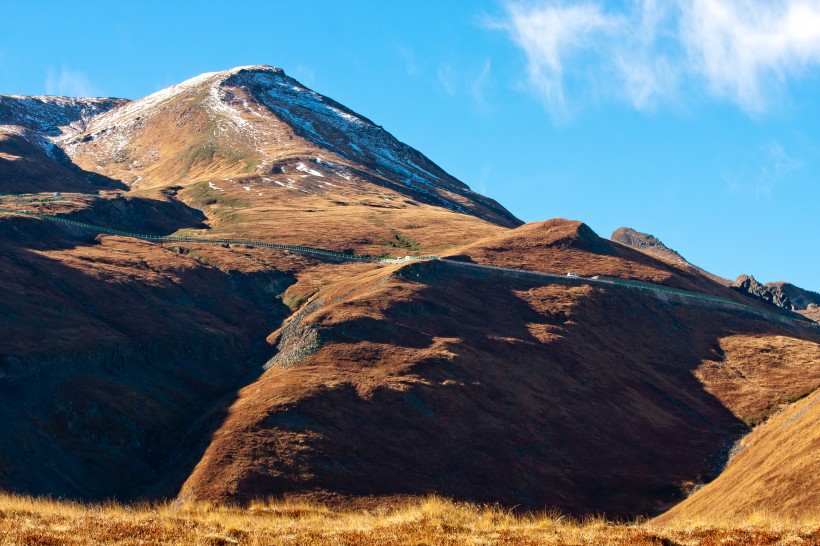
[[649, 244], [772, 294], [801, 299], [646, 242]]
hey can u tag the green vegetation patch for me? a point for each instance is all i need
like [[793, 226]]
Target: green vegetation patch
[[402, 241], [203, 194], [295, 301]]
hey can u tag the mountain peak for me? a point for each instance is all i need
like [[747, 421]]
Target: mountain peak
[[253, 121]]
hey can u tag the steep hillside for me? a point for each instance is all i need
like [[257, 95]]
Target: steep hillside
[[223, 371], [52, 116], [569, 246], [111, 348], [420, 378], [774, 472], [255, 125], [652, 245]]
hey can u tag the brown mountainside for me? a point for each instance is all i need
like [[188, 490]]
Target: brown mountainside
[[774, 472], [652, 245], [134, 370]]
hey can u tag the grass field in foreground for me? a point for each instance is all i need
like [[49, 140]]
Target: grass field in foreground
[[431, 520]]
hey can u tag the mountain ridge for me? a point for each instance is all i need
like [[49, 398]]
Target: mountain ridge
[[246, 120], [228, 372]]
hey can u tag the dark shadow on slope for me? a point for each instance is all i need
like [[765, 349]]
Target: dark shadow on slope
[[106, 364], [125, 213], [142, 215], [591, 409], [34, 171]]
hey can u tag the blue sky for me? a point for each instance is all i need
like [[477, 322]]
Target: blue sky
[[695, 120]]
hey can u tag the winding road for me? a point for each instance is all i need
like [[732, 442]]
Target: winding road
[[660, 292]]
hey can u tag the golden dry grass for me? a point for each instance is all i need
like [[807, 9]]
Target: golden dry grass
[[430, 520], [775, 471]]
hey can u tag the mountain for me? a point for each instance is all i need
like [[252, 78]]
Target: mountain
[[773, 471], [52, 116], [134, 369], [652, 245], [800, 298], [770, 294], [779, 294], [30, 159], [255, 125]]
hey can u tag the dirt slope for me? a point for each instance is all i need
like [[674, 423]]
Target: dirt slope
[[774, 473], [652, 245], [256, 126], [419, 379], [135, 370]]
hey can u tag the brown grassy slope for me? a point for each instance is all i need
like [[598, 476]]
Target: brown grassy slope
[[563, 246], [430, 520], [405, 381], [756, 375], [777, 473], [350, 216], [654, 247], [226, 127], [24, 167], [111, 348]]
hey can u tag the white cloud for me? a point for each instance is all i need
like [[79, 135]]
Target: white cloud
[[478, 86], [777, 163], [648, 73], [409, 58], [447, 78], [549, 34], [745, 51], [69, 83]]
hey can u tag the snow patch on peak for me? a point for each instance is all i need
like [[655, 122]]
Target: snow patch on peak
[[52, 115], [253, 68], [301, 167]]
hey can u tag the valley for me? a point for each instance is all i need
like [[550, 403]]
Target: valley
[[238, 291]]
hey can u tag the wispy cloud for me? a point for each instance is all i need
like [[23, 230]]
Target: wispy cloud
[[550, 34], [411, 67], [67, 82], [747, 50], [646, 71], [648, 53], [447, 78], [479, 85], [773, 169]]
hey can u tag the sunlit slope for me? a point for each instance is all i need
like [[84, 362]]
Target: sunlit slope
[[259, 126], [776, 473], [416, 379]]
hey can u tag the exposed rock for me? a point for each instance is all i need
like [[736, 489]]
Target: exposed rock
[[770, 294], [644, 241], [801, 299]]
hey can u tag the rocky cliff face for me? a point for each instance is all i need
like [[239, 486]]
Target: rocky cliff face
[[773, 294], [645, 242], [800, 298]]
